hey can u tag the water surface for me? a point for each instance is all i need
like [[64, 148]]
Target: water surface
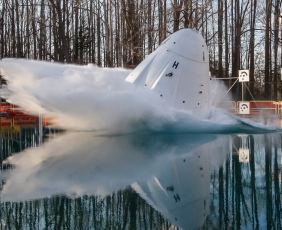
[[142, 181]]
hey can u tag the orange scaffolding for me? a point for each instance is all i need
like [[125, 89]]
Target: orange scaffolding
[[262, 107], [11, 115]]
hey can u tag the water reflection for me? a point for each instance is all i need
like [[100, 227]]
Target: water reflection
[[186, 181], [180, 188], [79, 164], [248, 193]]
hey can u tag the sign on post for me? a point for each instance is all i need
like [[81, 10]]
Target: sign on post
[[244, 155], [244, 75], [244, 107]]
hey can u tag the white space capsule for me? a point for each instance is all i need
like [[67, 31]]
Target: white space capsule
[[178, 70], [181, 191], [180, 188]]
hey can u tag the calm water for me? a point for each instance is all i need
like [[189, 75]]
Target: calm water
[[84, 181]]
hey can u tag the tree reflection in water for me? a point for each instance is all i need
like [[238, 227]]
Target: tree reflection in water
[[245, 193], [249, 196], [120, 210]]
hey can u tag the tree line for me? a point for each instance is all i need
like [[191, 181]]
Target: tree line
[[243, 34]]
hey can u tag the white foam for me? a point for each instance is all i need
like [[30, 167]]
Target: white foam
[[93, 98]]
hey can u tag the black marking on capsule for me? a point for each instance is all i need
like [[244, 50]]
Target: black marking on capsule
[[170, 188], [176, 198], [175, 64], [169, 74]]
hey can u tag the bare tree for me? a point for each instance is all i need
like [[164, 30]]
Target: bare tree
[[267, 53]]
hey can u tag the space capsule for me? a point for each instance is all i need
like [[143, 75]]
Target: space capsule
[[178, 71]]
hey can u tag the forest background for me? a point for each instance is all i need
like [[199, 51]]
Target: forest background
[[240, 34]]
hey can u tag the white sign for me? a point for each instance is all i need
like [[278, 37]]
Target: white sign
[[244, 75], [244, 107], [281, 163], [244, 155]]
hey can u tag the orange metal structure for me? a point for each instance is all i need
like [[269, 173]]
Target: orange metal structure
[[11, 115], [263, 107]]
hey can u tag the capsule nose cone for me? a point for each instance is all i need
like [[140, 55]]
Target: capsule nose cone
[[189, 44]]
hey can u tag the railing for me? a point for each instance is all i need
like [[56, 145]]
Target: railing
[[262, 107], [256, 107], [11, 115]]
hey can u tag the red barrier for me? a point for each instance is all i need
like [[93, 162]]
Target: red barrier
[[262, 107], [11, 115], [257, 107], [263, 104]]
